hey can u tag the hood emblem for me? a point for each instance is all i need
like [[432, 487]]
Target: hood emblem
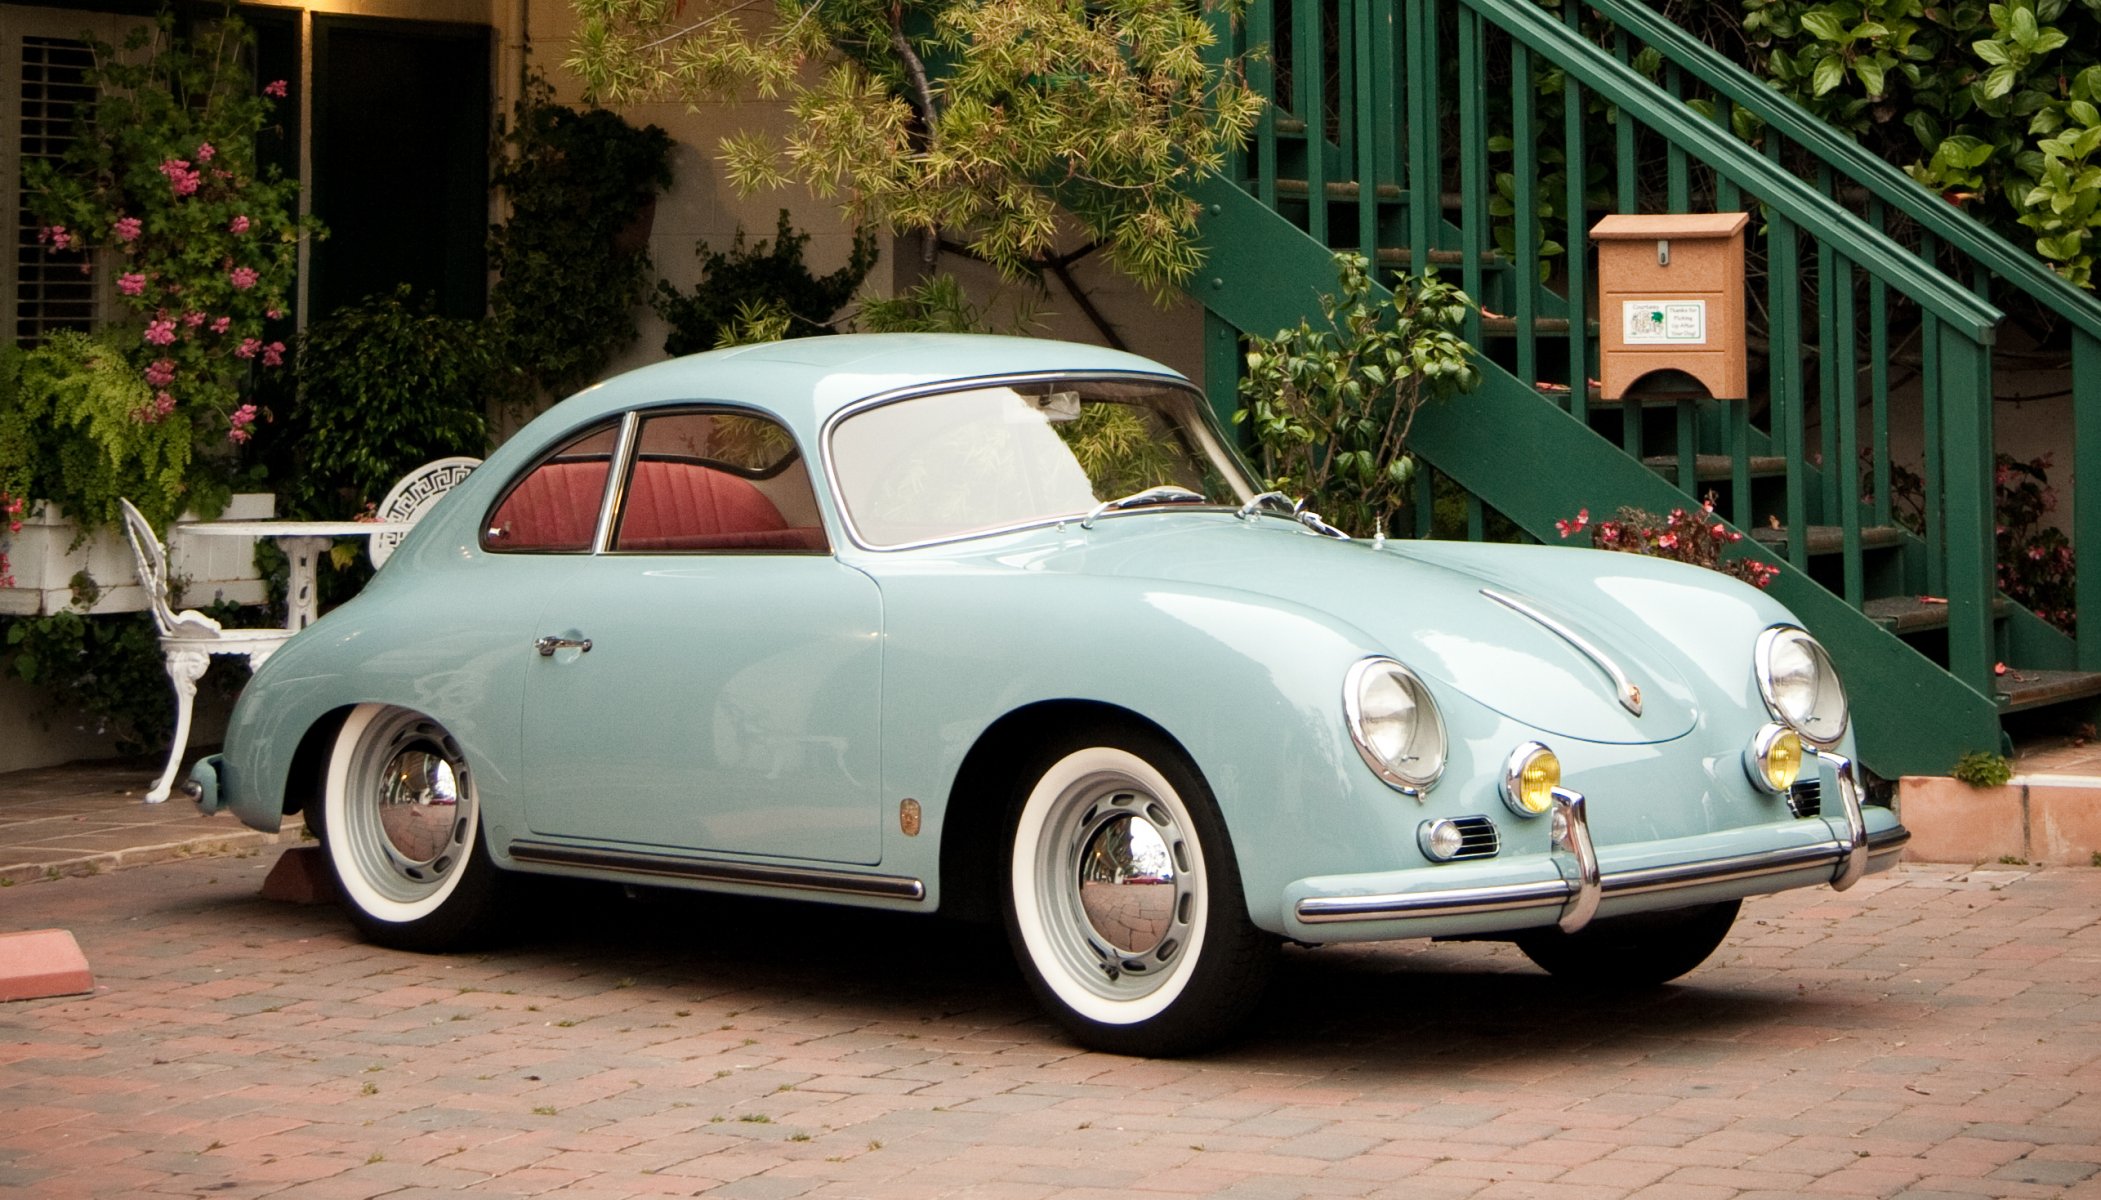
[[1623, 688]]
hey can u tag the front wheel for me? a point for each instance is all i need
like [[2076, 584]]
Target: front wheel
[[401, 822], [1124, 902], [1635, 951]]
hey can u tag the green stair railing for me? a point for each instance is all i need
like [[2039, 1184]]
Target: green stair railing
[[1389, 121]]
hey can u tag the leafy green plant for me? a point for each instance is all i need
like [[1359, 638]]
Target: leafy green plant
[[579, 186], [385, 385], [71, 433], [764, 288], [163, 182], [1983, 769], [1997, 106], [1003, 124], [2036, 562], [1330, 406], [105, 673]]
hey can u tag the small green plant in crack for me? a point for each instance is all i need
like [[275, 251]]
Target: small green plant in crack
[[1983, 769]]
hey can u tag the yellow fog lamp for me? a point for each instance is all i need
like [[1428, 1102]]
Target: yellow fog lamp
[[1774, 758], [1530, 775]]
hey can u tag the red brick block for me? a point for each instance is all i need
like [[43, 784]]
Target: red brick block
[[42, 962], [301, 876]]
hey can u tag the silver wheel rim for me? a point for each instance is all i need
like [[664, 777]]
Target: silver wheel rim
[[1119, 885], [410, 809]]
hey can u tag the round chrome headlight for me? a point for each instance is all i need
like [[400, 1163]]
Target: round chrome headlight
[[1395, 724], [1800, 686]]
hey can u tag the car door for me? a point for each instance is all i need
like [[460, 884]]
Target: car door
[[707, 677]]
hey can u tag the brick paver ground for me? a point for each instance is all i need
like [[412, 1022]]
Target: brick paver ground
[[1934, 1032]]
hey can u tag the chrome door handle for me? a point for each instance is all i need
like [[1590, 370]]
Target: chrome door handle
[[549, 644]]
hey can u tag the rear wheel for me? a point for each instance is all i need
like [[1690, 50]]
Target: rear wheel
[[401, 822], [1635, 951], [1124, 902]]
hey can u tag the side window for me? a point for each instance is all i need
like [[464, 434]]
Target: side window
[[717, 481], [553, 508]]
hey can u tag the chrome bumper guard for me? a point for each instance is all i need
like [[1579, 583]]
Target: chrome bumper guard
[[1583, 886]]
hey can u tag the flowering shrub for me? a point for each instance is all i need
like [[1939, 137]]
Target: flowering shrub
[[1695, 537], [163, 184], [2036, 566]]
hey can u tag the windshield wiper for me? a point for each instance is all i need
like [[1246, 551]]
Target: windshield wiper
[[1165, 493], [1283, 506]]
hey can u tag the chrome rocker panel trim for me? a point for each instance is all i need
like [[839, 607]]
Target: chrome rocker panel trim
[[715, 870], [1849, 857]]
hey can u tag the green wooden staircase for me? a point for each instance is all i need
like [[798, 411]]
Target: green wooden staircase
[[1407, 130]]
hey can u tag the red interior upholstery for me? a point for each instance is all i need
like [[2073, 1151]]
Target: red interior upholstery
[[554, 508], [669, 506]]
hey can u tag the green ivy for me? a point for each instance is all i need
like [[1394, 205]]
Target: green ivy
[[578, 185], [765, 286]]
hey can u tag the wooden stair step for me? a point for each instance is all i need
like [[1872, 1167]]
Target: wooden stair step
[[2019, 689], [1915, 614], [1401, 256], [1339, 189], [1714, 467], [1831, 539]]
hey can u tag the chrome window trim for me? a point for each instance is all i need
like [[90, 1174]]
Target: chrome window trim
[[616, 481], [1206, 426], [553, 447]]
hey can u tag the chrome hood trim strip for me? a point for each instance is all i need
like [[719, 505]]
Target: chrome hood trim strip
[[712, 870], [1628, 695]]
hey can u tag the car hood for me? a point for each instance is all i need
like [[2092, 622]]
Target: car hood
[[1551, 668]]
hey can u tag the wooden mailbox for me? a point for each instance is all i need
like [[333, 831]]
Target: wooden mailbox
[[1671, 297]]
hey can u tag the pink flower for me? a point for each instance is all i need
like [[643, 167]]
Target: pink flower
[[1720, 531], [193, 318], [222, 325], [161, 332], [243, 277], [274, 354], [239, 224], [1668, 541], [205, 152], [131, 283], [240, 424], [247, 348], [161, 373], [273, 313], [180, 177], [1568, 528], [276, 88], [56, 235], [127, 229]]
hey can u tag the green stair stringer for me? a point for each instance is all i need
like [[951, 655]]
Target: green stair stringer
[[1555, 465]]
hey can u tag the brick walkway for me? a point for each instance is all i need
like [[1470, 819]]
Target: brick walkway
[[1934, 1032], [87, 818]]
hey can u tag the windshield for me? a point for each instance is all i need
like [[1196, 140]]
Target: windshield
[[950, 464]]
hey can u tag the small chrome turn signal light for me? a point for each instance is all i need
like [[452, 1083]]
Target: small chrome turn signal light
[[1530, 775], [1773, 760], [1440, 839]]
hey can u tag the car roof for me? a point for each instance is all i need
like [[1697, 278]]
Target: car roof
[[806, 380]]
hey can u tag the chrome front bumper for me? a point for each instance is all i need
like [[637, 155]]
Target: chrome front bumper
[[1582, 886]]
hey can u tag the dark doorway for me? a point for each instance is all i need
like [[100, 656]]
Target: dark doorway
[[400, 162]]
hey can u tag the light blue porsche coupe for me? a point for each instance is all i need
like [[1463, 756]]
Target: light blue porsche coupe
[[1003, 628]]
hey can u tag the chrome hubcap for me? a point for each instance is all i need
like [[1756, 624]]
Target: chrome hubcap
[[1118, 884], [411, 807]]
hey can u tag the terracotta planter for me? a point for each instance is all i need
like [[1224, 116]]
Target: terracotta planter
[[43, 559]]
